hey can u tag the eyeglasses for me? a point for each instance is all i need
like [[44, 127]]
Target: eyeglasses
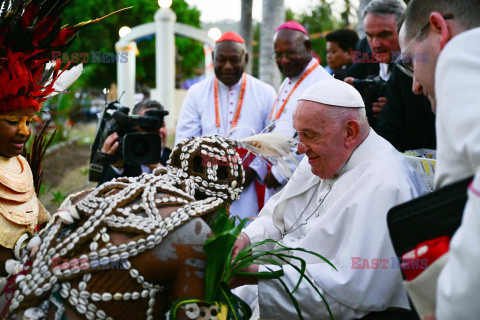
[[405, 60], [287, 54]]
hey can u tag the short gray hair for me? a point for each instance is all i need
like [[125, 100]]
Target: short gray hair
[[418, 13], [340, 115], [386, 7]]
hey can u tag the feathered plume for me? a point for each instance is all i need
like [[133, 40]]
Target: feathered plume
[[29, 31], [272, 145], [65, 80]]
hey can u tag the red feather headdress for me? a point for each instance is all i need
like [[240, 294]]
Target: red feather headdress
[[29, 31]]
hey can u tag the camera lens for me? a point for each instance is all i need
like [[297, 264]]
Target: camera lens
[[139, 148]]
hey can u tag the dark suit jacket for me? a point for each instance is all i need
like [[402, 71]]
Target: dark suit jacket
[[132, 170], [407, 120]]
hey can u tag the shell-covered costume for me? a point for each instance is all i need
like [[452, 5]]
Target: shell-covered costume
[[20, 209], [193, 183]]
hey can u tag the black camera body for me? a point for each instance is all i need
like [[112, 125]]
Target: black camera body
[[138, 138], [370, 88]]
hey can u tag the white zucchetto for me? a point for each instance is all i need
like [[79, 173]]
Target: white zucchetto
[[335, 93]]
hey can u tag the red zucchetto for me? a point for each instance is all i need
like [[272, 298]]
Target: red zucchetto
[[230, 36]]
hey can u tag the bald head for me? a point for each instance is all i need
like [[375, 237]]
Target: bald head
[[293, 51]]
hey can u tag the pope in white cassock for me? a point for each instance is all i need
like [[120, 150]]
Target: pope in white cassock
[[230, 100], [336, 205]]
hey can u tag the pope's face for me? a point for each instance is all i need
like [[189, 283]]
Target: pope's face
[[229, 62], [14, 131], [423, 56], [321, 138], [382, 36]]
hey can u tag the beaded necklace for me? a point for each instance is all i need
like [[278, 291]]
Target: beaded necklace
[[294, 226]]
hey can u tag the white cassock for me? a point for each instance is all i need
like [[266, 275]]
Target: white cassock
[[458, 156], [284, 124], [197, 118], [346, 223], [458, 109]]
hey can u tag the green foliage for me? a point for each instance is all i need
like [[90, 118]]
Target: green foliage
[[221, 268], [43, 189], [219, 251], [58, 197], [319, 20], [102, 36]]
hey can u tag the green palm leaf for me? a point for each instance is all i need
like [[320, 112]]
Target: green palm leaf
[[221, 268]]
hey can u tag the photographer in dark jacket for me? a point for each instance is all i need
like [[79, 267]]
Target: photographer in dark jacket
[[110, 145], [406, 120]]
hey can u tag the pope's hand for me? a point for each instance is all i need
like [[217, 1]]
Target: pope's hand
[[239, 280], [429, 317], [242, 241]]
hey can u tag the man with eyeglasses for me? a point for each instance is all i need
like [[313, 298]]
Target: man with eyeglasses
[[293, 55], [448, 34], [401, 117], [230, 104]]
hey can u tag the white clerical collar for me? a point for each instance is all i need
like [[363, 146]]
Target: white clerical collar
[[236, 86], [294, 79], [363, 151]]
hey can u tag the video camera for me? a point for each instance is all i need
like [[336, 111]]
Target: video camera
[[370, 88], [135, 147]]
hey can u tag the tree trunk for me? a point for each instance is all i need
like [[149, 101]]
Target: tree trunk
[[246, 31], [360, 27], [272, 17]]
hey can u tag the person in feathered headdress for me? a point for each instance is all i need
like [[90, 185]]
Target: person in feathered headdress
[[29, 32]]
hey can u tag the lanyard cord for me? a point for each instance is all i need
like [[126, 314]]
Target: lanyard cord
[[239, 103], [305, 74]]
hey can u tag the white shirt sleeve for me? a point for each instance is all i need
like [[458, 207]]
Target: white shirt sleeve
[[189, 121], [263, 226]]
